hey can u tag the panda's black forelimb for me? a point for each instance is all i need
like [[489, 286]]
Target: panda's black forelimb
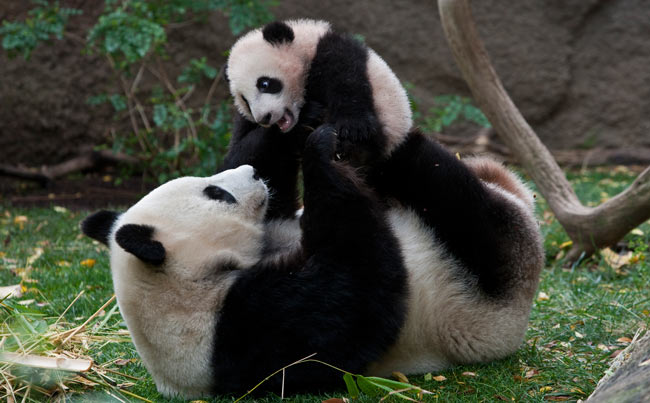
[[338, 78], [342, 297], [276, 159]]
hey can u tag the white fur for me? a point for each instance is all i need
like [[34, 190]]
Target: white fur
[[170, 311], [448, 322], [390, 100]]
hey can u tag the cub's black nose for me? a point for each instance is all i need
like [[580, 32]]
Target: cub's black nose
[[265, 120], [256, 176]]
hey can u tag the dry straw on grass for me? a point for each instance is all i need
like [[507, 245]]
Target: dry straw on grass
[[55, 362]]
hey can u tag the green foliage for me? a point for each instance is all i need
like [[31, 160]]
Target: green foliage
[[172, 131], [449, 109], [126, 37], [44, 21], [196, 71]]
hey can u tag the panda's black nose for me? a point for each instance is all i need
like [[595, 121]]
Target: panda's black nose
[[256, 175], [265, 120]]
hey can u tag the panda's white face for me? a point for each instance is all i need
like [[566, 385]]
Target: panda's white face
[[267, 78], [267, 83], [174, 256], [201, 221]]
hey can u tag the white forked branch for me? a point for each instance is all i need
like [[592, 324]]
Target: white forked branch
[[590, 228]]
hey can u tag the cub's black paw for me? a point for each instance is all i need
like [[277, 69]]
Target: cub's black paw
[[354, 130], [321, 143]]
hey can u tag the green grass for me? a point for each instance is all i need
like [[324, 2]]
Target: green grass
[[581, 317]]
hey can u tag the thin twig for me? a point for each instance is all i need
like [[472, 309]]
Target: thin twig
[[83, 325], [213, 87], [69, 306]]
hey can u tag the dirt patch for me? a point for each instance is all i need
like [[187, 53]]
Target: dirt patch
[[88, 192]]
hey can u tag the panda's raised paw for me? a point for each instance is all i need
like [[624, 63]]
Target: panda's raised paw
[[355, 130], [321, 142]]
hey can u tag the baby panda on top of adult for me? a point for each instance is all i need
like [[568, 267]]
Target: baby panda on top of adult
[[302, 73], [214, 307]]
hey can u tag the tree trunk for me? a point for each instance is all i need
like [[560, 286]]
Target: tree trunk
[[630, 381], [589, 228]]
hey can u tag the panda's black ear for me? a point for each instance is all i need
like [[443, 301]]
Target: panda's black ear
[[277, 33], [138, 240], [98, 225]]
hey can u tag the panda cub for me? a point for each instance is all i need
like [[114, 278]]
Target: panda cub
[[293, 74], [215, 301]]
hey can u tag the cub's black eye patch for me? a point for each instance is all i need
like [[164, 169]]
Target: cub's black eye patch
[[217, 193], [268, 85], [247, 104]]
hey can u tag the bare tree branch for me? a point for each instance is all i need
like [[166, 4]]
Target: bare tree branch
[[89, 160], [588, 228]]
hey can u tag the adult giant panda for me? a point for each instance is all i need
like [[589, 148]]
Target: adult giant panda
[[302, 73], [218, 293], [215, 300]]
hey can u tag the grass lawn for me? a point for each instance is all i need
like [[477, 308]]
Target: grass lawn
[[582, 317]]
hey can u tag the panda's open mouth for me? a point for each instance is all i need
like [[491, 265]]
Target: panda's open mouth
[[285, 123]]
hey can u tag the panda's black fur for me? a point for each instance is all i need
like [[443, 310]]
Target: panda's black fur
[[342, 296]]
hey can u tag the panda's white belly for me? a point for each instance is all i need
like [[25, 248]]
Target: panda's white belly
[[447, 322]]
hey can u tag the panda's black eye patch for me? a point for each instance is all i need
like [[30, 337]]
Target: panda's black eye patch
[[268, 85], [217, 193]]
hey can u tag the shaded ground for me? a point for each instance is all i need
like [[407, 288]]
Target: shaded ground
[[88, 192]]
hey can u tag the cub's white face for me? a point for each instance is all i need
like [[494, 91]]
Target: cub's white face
[[267, 80]]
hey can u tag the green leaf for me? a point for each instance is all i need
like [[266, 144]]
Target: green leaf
[[118, 102], [367, 387], [353, 390], [389, 382], [159, 114]]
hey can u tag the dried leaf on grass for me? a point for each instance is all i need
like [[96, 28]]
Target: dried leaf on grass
[[400, 377], [615, 260], [11, 291]]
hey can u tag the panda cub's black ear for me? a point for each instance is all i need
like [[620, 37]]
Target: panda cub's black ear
[[277, 33], [98, 225], [138, 240]]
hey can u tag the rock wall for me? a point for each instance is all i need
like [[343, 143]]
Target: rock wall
[[578, 69]]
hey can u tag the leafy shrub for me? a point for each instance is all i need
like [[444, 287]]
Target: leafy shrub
[[171, 131], [450, 109]]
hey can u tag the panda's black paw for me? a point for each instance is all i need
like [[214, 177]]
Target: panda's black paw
[[321, 143], [355, 130], [357, 137]]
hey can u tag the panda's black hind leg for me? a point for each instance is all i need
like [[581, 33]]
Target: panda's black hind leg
[[338, 79]]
